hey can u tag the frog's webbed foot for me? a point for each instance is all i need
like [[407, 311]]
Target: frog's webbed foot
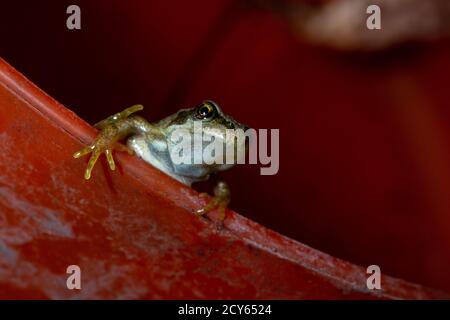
[[112, 129], [220, 201]]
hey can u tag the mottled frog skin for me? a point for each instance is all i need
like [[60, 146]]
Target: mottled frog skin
[[152, 142]]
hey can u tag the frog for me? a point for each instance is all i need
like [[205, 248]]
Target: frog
[[152, 142]]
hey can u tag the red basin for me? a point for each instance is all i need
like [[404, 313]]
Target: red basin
[[364, 164]]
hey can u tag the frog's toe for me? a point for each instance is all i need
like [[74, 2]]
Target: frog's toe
[[208, 208], [216, 203], [94, 157], [119, 116], [110, 159], [83, 152], [129, 111]]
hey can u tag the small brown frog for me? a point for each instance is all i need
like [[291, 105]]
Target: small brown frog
[[152, 142]]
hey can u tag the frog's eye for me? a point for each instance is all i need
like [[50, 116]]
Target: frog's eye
[[205, 111]]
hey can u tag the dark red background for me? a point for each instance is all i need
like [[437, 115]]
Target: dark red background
[[364, 156]]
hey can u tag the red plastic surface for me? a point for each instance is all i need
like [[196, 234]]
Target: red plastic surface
[[365, 153], [133, 233]]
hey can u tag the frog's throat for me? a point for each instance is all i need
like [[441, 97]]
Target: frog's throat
[[158, 156]]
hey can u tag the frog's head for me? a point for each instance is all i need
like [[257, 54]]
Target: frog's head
[[214, 123]]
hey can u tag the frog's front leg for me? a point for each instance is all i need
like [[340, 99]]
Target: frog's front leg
[[220, 201], [113, 129]]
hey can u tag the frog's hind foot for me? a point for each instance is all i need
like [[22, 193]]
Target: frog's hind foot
[[220, 201]]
